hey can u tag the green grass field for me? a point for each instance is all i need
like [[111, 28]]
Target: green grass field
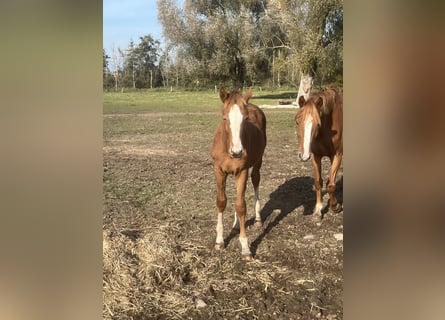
[[156, 100]]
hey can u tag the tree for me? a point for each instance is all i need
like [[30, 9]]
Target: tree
[[313, 32], [254, 40], [218, 38], [107, 78], [140, 68], [105, 58], [129, 68], [146, 56], [116, 65]]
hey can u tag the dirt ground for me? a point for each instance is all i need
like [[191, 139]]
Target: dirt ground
[[160, 218]]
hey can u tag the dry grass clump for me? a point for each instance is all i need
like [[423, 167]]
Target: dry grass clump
[[150, 274], [117, 277], [147, 274], [143, 275]]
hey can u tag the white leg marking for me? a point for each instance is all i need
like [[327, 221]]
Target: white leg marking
[[245, 251], [235, 222], [318, 208], [307, 138], [236, 118], [219, 229], [257, 205]]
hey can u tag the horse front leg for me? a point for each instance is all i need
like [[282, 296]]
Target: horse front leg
[[318, 183], [335, 165], [240, 208], [221, 202]]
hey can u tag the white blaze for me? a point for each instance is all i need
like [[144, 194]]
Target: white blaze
[[307, 137], [236, 118]]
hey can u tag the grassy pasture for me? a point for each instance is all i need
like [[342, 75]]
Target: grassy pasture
[[160, 217], [156, 100]]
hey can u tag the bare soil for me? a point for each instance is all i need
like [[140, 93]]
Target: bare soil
[[160, 218]]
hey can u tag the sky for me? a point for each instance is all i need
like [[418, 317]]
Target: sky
[[126, 20]]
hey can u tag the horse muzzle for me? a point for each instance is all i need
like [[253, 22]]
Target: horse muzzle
[[236, 154]]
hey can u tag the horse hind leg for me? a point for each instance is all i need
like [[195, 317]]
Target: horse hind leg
[[255, 177], [235, 224], [334, 205]]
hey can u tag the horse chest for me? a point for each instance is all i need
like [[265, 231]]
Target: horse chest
[[325, 143], [234, 166]]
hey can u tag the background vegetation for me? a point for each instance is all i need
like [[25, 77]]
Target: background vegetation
[[208, 43]]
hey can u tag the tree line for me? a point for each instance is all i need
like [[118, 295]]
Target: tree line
[[239, 43]]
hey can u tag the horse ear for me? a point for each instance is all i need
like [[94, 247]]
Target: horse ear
[[319, 102], [248, 94], [301, 101], [223, 94]]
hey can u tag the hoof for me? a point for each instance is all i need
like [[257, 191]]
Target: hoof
[[338, 208], [246, 257], [258, 223], [219, 246], [316, 216]]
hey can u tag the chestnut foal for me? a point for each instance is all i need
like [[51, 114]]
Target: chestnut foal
[[320, 133], [238, 145]]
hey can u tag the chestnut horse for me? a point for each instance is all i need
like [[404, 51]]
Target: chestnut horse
[[238, 145], [320, 134]]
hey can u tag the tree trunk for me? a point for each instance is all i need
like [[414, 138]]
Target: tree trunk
[[151, 79], [239, 74], [116, 79], [273, 69], [305, 86], [132, 75]]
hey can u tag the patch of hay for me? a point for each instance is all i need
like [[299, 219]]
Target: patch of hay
[[143, 276]]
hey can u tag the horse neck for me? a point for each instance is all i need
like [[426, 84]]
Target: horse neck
[[334, 119], [337, 108]]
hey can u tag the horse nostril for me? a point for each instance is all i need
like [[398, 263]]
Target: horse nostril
[[236, 154]]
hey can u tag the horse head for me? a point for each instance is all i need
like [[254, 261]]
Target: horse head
[[308, 121], [234, 114]]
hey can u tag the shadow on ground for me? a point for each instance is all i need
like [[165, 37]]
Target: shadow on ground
[[286, 198]]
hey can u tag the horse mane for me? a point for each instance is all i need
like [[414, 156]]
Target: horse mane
[[328, 98], [330, 95]]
